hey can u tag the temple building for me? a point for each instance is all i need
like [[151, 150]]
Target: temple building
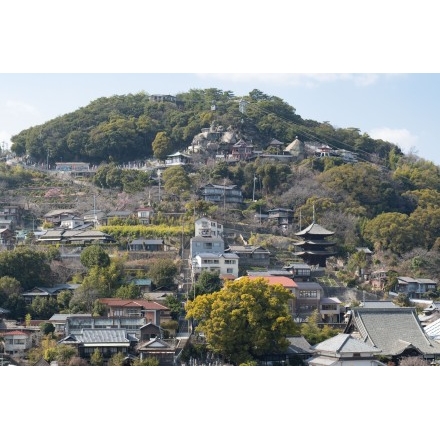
[[313, 246]]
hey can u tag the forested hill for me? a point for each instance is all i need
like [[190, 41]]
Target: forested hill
[[123, 128]]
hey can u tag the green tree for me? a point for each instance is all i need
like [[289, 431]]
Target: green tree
[[176, 180], [8, 286], [162, 273], [208, 282], [96, 358], [117, 360], [245, 320], [128, 291], [46, 328], [28, 266], [161, 146], [175, 306], [313, 332], [147, 362], [94, 255]]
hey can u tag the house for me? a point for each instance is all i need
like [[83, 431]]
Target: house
[[282, 216], [58, 320], [415, 287], [378, 279], [109, 341], [226, 264], [241, 150], [269, 272], [56, 216], [96, 217], [16, 342], [7, 238], [74, 168], [144, 215], [255, 256], [308, 298], [152, 311], [72, 222], [47, 292], [433, 329], [158, 349], [205, 244], [150, 331], [299, 350], [344, 350], [396, 331], [79, 237], [206, 227], [163, 98], [300, 271], [146, 245], [331, 310], [144, 284], [75, 324], [226, 194], [276, 146], [177, 159]]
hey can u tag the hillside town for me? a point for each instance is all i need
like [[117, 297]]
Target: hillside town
[[342, 310]]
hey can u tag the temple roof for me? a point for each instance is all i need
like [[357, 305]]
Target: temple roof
[[314, 229]]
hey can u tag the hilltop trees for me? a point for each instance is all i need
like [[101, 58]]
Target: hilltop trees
[[245, 320]]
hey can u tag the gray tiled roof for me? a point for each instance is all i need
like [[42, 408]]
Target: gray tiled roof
[[433, 329], [343, 344], [104, 336], [393, 329]]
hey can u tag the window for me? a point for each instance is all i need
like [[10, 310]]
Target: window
[[308, 293], [229, 270]]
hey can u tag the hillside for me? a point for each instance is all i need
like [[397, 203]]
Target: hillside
[[123, 128], [384, 199]]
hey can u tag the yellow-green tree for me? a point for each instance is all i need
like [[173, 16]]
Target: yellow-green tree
[[246, 319], [96, 358], [161, 145], [313, 332]]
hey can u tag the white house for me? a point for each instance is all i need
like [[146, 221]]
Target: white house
[[205, 227], [17, 341], [225, 264]]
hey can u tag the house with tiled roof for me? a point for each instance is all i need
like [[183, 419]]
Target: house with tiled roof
[[72, 236], [16, 342], [397, 332], [344, 350], [415, 287], [109, 341], [254, 256], [152, 311], [159, 349], [47, 292]]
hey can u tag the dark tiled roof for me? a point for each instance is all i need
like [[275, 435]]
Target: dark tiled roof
[[393, 330]]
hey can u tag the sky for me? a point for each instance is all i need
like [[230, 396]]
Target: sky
[[399, 108], [367, 70]]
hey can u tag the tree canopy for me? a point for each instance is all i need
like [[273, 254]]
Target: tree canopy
[[245, 320]]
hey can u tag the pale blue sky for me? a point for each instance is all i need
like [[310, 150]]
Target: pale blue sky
[[400, 108], [48, 45]]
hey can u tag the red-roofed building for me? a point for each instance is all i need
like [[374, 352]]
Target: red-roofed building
[[286, 282], [133, 308], [16, 341]]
